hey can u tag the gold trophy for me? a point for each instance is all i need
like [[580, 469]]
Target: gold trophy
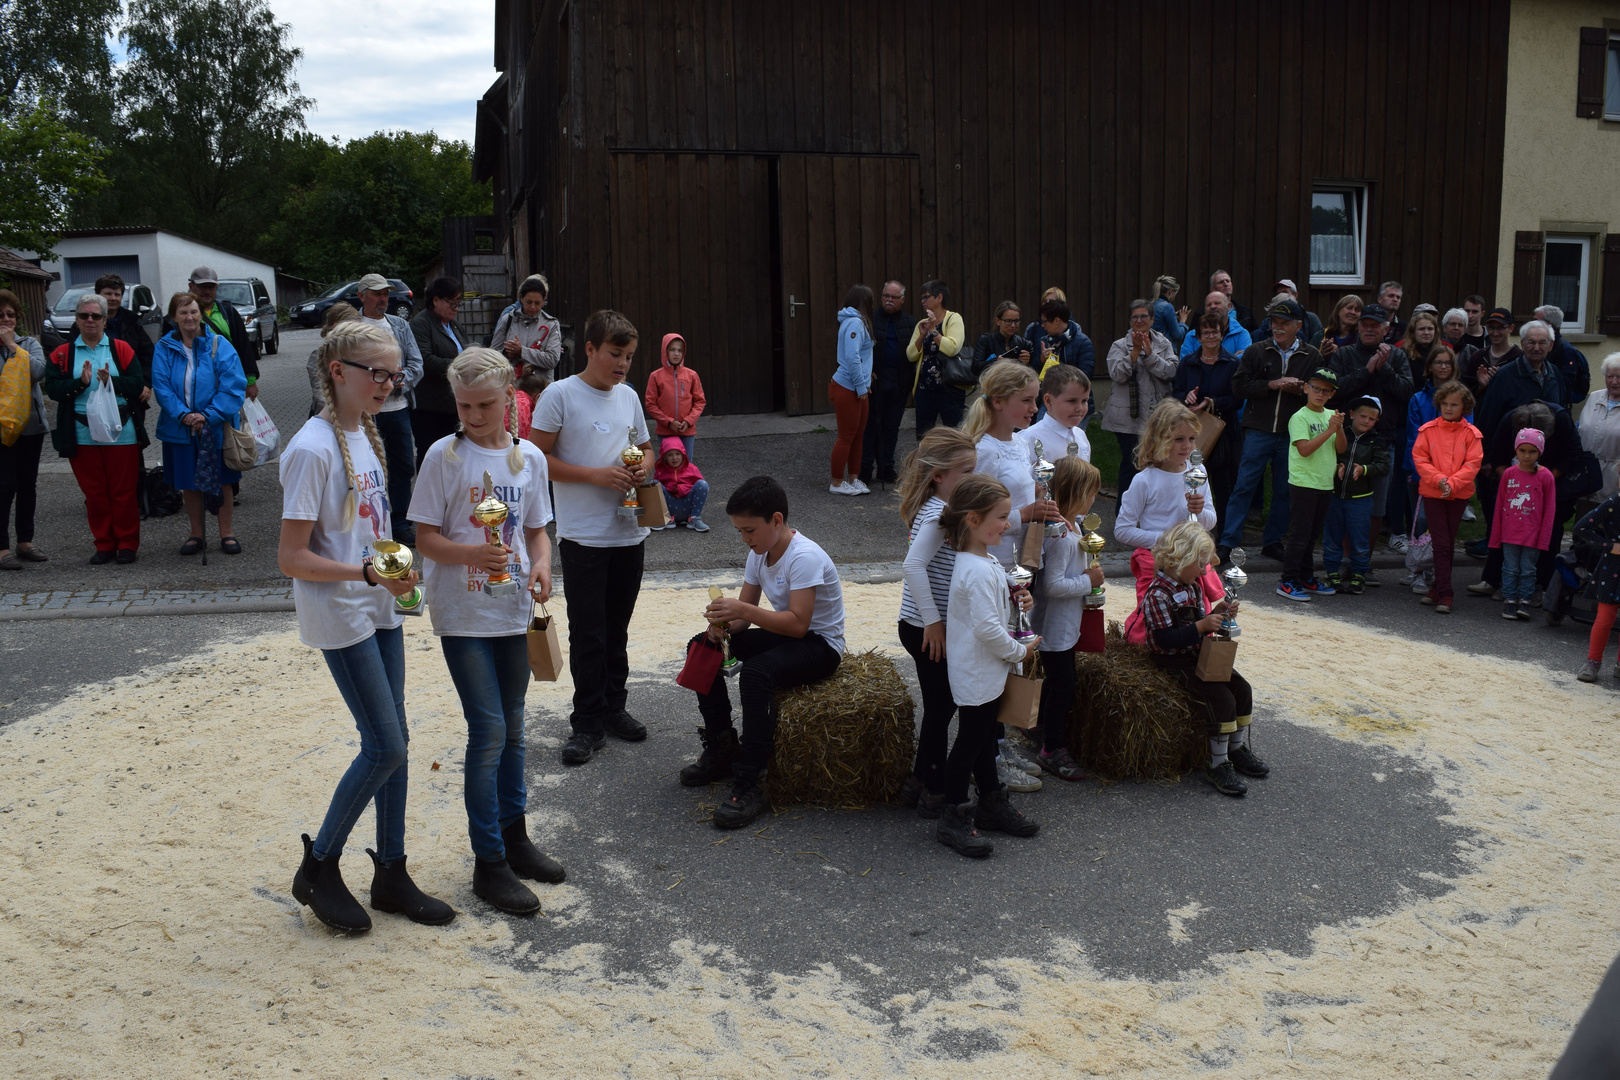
[[632, 456], [730, 666], [392, 560], [491, 513], [1092, 542]]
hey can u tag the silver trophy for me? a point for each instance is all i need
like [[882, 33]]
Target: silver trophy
[[1073, 449], [1043, 470], [1234, 579], [1019, 578], [1196, 477]]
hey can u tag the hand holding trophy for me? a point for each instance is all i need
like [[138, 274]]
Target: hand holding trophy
[[1234, 579], [392, 560], [731, 666], [632, 457], [492, 513], [1092, 542]]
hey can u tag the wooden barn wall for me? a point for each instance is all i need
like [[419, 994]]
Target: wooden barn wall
[[1143, 138]]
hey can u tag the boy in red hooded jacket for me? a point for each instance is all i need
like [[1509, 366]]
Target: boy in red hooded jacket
[[675, 395], [685, 490]]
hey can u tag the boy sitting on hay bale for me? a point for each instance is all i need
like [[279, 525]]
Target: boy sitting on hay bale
[[800, 641]]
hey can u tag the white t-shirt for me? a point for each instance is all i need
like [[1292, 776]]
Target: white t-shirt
[[1155, 503], [1013, 464], [593, 428], [1054, 439], [446, 492], [803, 566], [337, 614]]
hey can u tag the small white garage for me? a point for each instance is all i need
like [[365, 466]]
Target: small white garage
[[158, 259]]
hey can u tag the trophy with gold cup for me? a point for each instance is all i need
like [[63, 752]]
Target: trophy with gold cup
[[632, 456], [731, 666], [1091, 542], [392, 560], [492, 513]]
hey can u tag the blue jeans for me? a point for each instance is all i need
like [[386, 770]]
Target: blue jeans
[[689, 506], [371, 677], [1260, 448], [1348, 518], [687, 441], [400, 449], [491, 675], [1519, 571]]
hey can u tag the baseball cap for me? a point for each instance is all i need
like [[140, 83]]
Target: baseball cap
[[1532, 436], [1287, 284], [1324, 375], [204, 275], [1501, 315], [1366, 399], [1286, 310], [1375, 312], [1430, 308], [375, 283]]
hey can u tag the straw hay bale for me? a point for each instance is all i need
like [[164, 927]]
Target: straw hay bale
[[847, 741], [1131, 719]]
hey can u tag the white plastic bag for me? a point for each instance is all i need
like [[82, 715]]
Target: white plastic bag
[[266, 439], [101, 413]]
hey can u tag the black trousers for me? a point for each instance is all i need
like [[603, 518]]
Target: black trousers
[[933, 737], [1222, 479], [771, 662], [938, 405], [428, 428], [883, 430], [601, 585], [19, 481], [1224, 701], [977, 732], [1307, 517], [400, 447], [1057, 699]]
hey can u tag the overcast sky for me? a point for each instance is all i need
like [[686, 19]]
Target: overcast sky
[[372, 67]]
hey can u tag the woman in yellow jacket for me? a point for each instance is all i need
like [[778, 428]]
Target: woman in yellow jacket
[[938, 336]]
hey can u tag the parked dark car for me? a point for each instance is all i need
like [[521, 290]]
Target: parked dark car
[[401, 302], [137, 298], [252, 300]]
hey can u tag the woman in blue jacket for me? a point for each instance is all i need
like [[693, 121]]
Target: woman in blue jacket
[[850, 390], [198, 380]]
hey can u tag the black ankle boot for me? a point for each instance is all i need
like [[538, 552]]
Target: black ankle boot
[[496, 885], [746, 803], [525, 859], [318, 885], [995, 813], [714, 764], [392, 890], [956, 831]]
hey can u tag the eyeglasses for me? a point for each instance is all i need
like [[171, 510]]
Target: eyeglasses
[[378, 375], [90, 316], [449, 302], [1009, 320], [894, 296]]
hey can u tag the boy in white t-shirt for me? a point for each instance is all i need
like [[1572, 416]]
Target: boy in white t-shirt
[[583, 424], [1066, 394], [798, 640]]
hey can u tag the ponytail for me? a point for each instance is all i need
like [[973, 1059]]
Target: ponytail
[[1000, 380]]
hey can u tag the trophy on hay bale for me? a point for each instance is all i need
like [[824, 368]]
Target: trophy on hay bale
[[632, 456], [1196, 477], [1092, 542], [1234, 579]]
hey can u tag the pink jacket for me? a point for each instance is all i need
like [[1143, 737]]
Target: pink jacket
[[674, 393], [1524, 508], [679, 480]]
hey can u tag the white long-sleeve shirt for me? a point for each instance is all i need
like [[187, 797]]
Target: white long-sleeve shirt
[[979, 649], [1054, 439], [1013, 463], [1059, 592], [926, 590], [1156, 501]]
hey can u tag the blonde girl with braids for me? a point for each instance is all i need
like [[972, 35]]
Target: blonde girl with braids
[[1158, 498], [484, 636], [334, 510], [943, 458], [1006, 402]]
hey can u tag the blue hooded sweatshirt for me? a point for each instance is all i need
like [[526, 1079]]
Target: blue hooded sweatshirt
[[854, 352]]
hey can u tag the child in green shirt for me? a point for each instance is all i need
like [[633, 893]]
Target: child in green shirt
[[1315, 441]]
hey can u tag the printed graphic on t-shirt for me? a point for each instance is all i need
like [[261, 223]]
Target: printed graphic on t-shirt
[[512, 496], [371, 501]]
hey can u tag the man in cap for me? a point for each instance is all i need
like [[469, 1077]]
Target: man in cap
[[1310, 330], [226, 320], [1371, 367], [394, 421], [1476, 366]]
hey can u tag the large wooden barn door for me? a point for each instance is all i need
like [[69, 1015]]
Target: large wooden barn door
[[691, 254], [843, 221]]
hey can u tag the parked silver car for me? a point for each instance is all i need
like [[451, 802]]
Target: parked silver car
[[137, 298], [252, 300]]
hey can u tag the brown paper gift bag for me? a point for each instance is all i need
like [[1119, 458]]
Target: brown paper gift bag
[[545, 650], [1209, 433], [654, 510], [1021, 700], [1030, 554], [1215, 658]]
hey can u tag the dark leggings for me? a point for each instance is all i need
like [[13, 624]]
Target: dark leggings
[[977, 731], [771, 662], [1226, 702], [19, 479], [1057, 699], [938, 708]]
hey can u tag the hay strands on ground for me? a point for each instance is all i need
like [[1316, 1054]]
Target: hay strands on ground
[[1132, 719], [846, 741]]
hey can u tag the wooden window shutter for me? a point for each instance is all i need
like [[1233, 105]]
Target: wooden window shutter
[[1589, 83], [1528, 248], [1609, 320]]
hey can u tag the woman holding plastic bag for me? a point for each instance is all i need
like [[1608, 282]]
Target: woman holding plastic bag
[[93, 378], [199, 383]]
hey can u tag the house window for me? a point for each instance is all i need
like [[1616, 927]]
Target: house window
[[1611, 80], [1338, 234], [1567, 267]]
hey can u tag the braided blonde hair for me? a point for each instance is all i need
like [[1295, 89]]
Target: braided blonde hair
[[359, 342], [479, 368]]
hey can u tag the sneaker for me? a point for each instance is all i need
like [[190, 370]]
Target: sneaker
[[1243, 759], [1524, 610], [1273, 551], [697, 525], [1428, 599], [995, 813], [1013, 778], [580, 746], [126, 556], [1408, 578], [1292, 590], [102, 558], [661, 528], [1225, 779], [1370, 578], [1399, 543], [1319, 587], [1478, 549], [624, 726], [1062, 765], [1483, 588], [1443, 608], [1014, 753], [1510, 610], [859, 486], [1422, 582], [1354, 584], [1331, 578], [746, 803], [1589, 673], [1468, 513], [842, 488]]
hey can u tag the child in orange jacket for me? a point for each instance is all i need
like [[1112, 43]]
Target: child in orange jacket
[[1447, 455], [675, 395]]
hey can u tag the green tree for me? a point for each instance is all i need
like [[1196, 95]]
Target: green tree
[[376, 204], [46, 163], [56, 51]]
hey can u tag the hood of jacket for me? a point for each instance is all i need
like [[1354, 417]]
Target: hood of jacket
[[847, 313], [680, 479], [664, 349]]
